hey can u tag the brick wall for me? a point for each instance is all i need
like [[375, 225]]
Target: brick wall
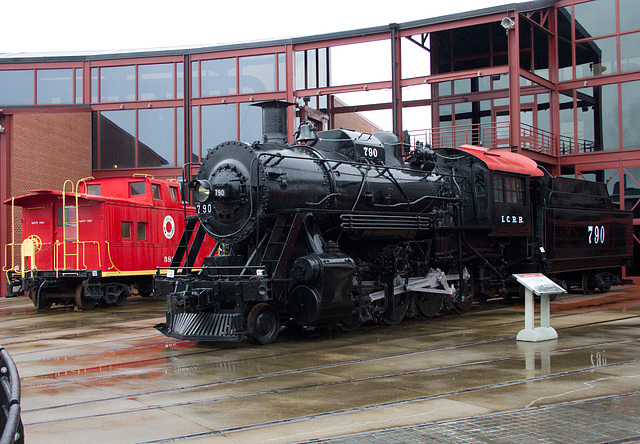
[[47, 149]]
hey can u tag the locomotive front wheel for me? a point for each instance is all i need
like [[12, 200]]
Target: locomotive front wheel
[[464, 289], [264, 323], [82, 302]]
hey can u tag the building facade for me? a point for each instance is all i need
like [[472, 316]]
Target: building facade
[[555, 80]]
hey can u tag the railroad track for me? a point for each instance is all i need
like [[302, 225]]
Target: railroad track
[[311, 379]]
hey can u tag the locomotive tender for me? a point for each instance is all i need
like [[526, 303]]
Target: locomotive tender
[[339, 229]]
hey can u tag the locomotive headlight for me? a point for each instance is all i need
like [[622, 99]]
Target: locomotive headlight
[[201, 189]]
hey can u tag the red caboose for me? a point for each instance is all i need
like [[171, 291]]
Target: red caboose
[[97, 243]]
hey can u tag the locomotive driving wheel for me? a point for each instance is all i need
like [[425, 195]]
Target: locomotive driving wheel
[[396, 313], [428, 305], [83, 302], [464, 285], [264, 323]]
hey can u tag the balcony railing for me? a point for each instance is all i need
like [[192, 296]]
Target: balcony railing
[[496, 135]]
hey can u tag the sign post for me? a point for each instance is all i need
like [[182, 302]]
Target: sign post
[[542, 286]]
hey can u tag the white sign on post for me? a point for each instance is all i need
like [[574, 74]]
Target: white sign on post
[[541, 285]]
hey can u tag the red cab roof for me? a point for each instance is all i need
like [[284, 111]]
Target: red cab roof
[[504, 160]]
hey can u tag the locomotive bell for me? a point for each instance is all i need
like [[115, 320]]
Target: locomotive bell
[[306, 133]]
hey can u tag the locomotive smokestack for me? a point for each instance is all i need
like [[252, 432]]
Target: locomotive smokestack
[[274, 121]]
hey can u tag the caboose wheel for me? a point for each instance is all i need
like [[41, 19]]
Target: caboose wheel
[[264, 323], [464, 289], [82, 302], [41, 301]]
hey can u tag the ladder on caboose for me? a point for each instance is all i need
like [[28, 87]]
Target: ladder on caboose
[[71, 225]]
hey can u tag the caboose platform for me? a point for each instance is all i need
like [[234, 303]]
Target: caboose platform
[[107, 376]]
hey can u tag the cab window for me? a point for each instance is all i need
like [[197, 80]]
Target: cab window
[[136, 188], [174, 193], [155, 190]]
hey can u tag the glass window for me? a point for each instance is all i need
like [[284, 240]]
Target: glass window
[[173, 191], [218, 124], [155, 82], [596, 57], [300, 72], [218, 77], [609, 115], [16, 87], [125, 230], [377, 55], [282, 73], [141, 229], [630, 128], [54, 86], [180, 136], [117, 139], [195, 84], [498, 188], [630, 52], [323, 69], [93, 190], [595, 18], [257, 74], [629, 15], [195, 134], [632, 191], [155, 190], [156, 136], [585, 120], [312, 67], [514, 190], [117, 84], [444, 89], [79, 85], [250, 123], [179, 80], [94, 85], [137, 188]]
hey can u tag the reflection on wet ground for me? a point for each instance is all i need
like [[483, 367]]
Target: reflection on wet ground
[[107, 375]]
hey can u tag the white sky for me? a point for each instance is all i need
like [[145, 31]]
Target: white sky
[[36, 26]]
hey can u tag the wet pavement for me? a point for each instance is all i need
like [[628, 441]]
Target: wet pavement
[[108, 376]]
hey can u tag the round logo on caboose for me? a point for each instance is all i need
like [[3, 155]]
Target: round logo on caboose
[[168, 227]]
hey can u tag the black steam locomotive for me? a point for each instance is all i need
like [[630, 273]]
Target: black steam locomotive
[[340, 229]]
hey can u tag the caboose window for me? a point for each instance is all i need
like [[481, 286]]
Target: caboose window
[[155, 190], [174, 193], [141, 231], [137, 188], [125, 230], [93, 189]]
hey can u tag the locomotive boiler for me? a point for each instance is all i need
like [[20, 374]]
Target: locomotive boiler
[[340, 229]]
